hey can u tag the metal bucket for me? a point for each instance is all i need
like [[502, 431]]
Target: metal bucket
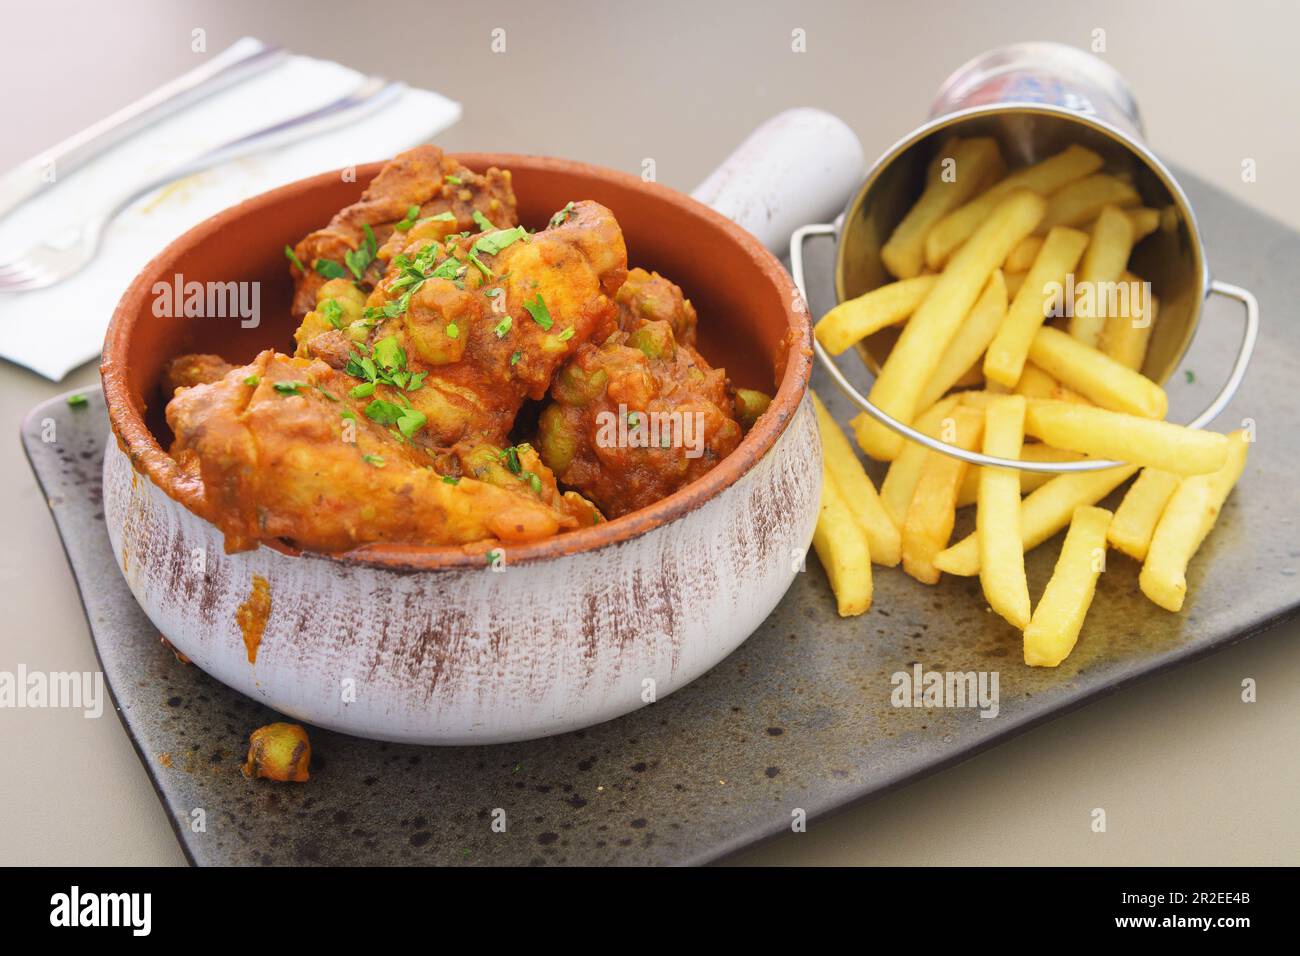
[[1034, 99]]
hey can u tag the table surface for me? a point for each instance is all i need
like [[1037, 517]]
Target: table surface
[[1186, 772]]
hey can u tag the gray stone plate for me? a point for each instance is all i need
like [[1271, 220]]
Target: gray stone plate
[[799, 718]]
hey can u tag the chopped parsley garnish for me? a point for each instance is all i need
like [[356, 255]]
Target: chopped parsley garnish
[[566, 334], [293, 257], [454, 180], [327, 393], [478, 264], [359, 260], [541, 315], [1191, 376], [77, 401], [390, 413], [413, 274], [376, 460], [411, 421], [453, 330], [502, 328], [330, 269], [333, 312], [385, 364], [561, 217], [361, 365], [441, 217], [511, 457], [492, 243], [449, 268], [412, 214], [253, 380], [349, 414], [492, 293], [514, 359], [389, 353], [289, 388], [534, 482], [450, 480], [484, 224]]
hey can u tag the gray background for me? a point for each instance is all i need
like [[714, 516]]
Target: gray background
[[1186, 772]]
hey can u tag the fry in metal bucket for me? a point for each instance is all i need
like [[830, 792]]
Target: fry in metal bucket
[[1043, 290], [975, 163], [915, 356], [1109, 244], [1045, 178]]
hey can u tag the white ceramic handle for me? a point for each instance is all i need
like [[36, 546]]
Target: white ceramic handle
[[800, 166]]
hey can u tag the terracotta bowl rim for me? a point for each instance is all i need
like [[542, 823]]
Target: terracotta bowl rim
[[148, 456]]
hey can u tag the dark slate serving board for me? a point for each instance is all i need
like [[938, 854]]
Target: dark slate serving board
[[799, 718]]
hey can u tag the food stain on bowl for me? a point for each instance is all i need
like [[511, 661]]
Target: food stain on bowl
[[252, 615]]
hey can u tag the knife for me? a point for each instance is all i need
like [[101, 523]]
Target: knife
[[246, 58]]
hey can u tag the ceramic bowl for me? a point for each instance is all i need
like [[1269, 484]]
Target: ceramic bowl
[[431, 645]]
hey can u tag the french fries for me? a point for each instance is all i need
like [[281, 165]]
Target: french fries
[[933, 509], [1109, 246], [1054, 630], [1029, 480], [859, 494], [1083, 200], [916, 354], [1035, 383], [900, 481], [1042, 513], [1126, 334], [1105, 434], [857, 318], [842, 547], [975, 163], [1023, 255], [997, 515], [1005, 359], [1137, 515], [1187, 519], [1015, 280], [964, 351], [1096, 376], [1020, 317], [1043, 178], [1144, 222]]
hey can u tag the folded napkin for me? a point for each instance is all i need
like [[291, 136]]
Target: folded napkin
[[52, 331]]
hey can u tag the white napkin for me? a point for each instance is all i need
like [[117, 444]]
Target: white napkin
[[52, 331]]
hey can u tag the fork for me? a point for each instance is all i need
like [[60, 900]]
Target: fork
[[64, 254]]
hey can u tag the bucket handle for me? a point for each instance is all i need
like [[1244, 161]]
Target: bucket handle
[[1247, 348]]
